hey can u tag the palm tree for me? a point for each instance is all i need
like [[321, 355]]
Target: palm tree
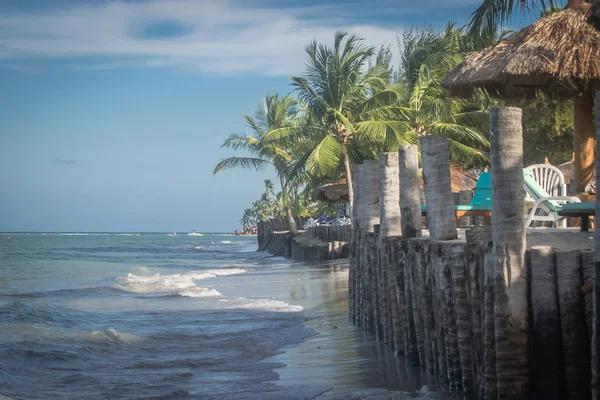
[[492, 13], [426, 109], [248, 218], [431, 111], [343, 95], [273, 113]]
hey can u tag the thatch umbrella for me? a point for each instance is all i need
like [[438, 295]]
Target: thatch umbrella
[[331, 193], [558, 55]]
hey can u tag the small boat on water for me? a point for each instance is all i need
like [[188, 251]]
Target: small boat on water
[[194, 233], [172, 234]]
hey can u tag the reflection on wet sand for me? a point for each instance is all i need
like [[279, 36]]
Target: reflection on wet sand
[[338, 356]]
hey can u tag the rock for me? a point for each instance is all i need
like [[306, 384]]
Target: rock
[[424, 390], [334, 327]]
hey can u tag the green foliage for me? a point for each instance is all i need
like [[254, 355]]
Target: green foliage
[[547, 130]]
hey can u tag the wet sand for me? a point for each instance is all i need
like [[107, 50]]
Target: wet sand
[[346, 363]]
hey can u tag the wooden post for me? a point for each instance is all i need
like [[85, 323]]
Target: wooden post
[[438, 191], [508, 233], [596, 338], [371, 211], [575, 341], [389, 200], [547, 379], [353, 270], [583, 139], [410, 198]]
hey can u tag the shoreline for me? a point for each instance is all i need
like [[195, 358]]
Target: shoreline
[[339, 358]]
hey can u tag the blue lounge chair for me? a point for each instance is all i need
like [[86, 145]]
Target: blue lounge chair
[[481, 203]]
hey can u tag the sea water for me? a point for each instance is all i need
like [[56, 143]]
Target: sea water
[[123, 316], [153, 316]]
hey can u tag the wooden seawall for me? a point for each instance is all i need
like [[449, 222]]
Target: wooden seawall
[[492, 311]]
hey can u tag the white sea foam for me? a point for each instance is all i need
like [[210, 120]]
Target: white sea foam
[[158, 283], [261, 305], [112, 335], [195, 234], [200, 292], [155, 283], [213, 273], [199, 248], [225, 241]]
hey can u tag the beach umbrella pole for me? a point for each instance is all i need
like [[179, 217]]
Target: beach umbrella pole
[[583, 139]]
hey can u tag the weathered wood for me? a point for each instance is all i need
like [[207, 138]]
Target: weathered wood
[[463, 316], [478, 241], [389, 200], [426, 268], [416, 256], [596, 295], [405, 300], [437, 185], [489, 328], [410, 198], [583, 139], [397, 305], [508, 232], [575, 339], [353, 277], [547, 379]]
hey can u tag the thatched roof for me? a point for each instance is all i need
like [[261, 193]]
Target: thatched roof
[[559, 54], [331, 192]]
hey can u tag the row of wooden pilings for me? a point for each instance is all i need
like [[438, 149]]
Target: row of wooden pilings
[[485, 315]]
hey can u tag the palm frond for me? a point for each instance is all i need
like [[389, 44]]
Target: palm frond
[[241, 162]]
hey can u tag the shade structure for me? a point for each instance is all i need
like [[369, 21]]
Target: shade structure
[[557, 55], [331, 192]]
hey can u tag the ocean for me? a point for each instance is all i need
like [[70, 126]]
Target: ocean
[[153, 316]]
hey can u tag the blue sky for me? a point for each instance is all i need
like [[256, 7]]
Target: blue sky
[[112, 112]]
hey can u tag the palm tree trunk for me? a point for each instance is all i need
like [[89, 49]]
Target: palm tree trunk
[[288, 209], [508, 233], [346, 160]]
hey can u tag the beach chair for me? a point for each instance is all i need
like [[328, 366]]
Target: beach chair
[[480, 205], [546, 207], [583, 210], [549, 177]]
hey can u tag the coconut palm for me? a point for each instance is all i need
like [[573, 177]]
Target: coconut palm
[[427, 109], [431, 111], [274, 112], [248, 218], [343, 96], [492, 13]]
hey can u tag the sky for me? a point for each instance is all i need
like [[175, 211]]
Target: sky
[[112, 113]]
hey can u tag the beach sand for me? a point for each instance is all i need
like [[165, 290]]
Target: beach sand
[[338, 360]]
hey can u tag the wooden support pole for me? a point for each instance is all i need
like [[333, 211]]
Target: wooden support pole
[[508, 233], [354, 268], [389, 200], [596, 298], [438, 191], [410, 198], [583, 139], [547, 377], [464, 198], [575, 339]]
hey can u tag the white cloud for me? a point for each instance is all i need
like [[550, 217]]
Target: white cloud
[[220, 37]]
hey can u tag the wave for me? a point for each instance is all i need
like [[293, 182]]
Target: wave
[[261, 305], [200, 292], [225, 241], [213, 273], [158, 283], [195, 234], [111, 335]]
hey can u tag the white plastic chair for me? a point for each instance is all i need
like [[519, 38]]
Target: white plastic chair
[[550, 178], [552, 181]]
